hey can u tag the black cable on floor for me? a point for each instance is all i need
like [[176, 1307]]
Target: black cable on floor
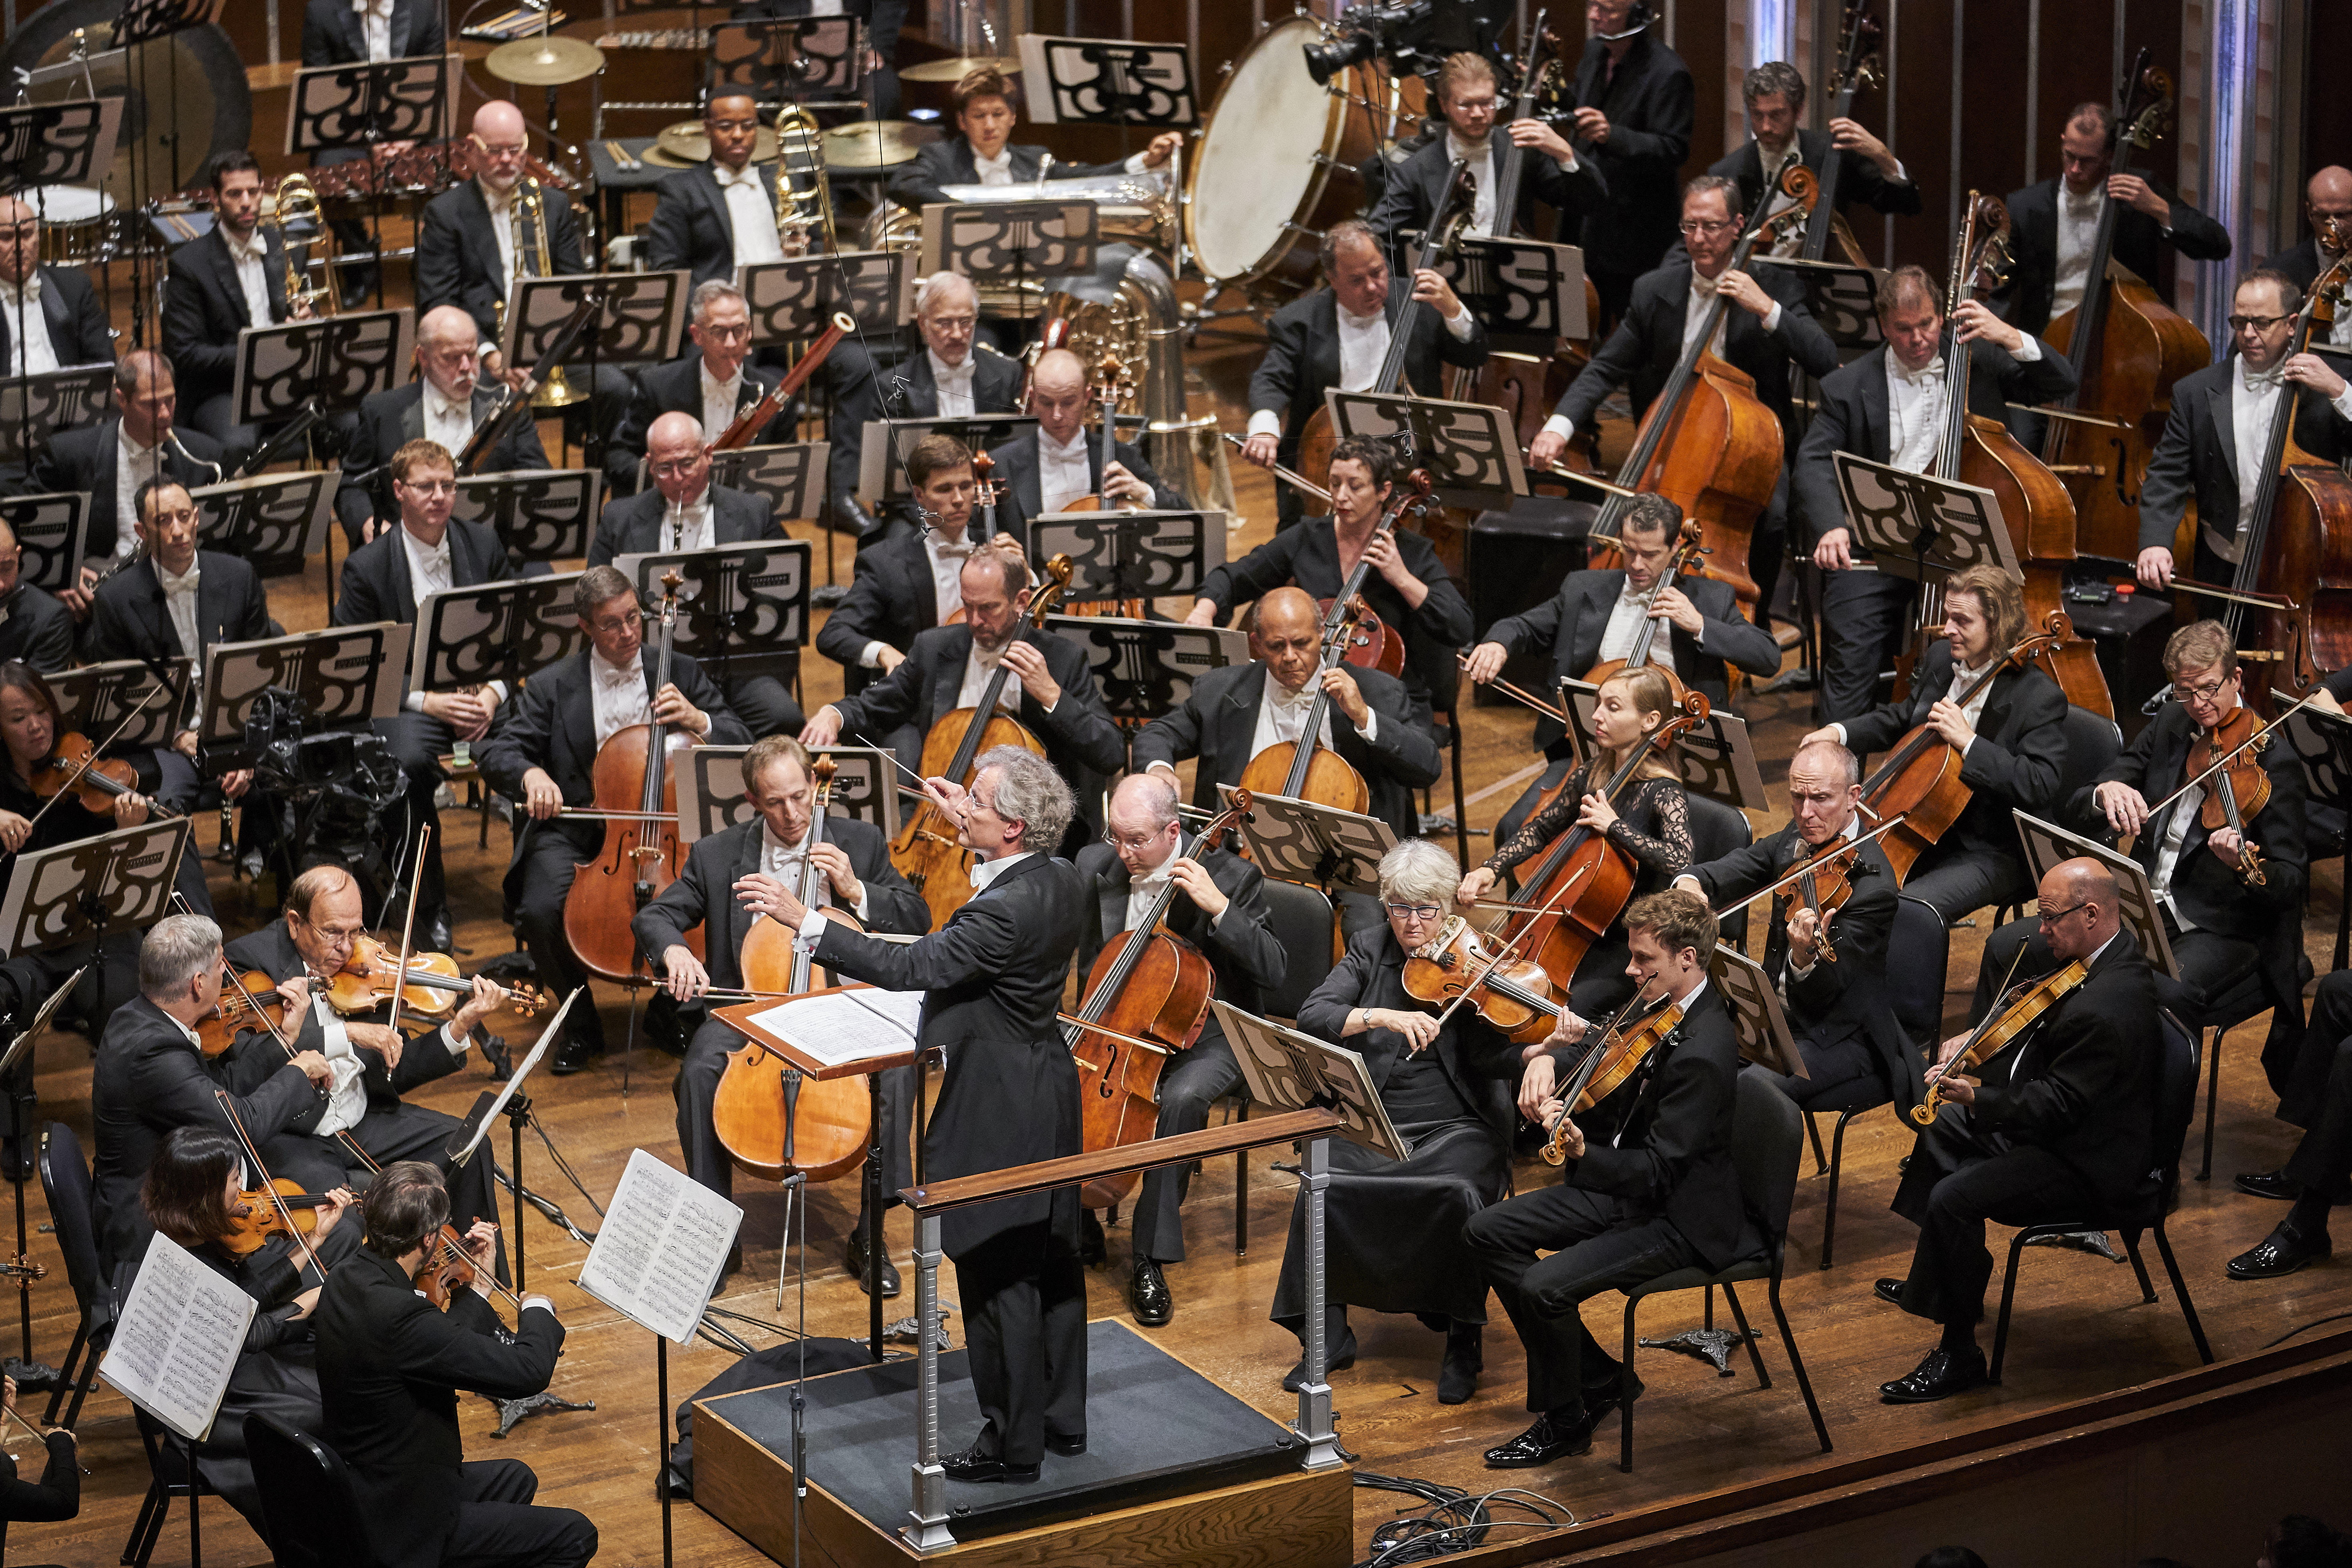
[[1455, 1522], [2299, 1328]]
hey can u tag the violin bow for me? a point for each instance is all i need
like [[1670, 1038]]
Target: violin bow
[[40, 1436], [1590, 1062], [268, 1185], [408, 925], [84, 766], [1516, 694], [1503, 948], [2259, 738], [1943, 1070], [1813, 863]]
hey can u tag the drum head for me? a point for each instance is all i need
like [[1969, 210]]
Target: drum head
[[62, 207], [1258, 168]]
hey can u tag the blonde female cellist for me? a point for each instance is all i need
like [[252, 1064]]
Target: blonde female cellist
[[1646, 822]]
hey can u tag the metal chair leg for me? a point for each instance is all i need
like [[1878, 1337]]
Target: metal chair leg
[[65, 1374], [2213, 1097], [1746, 1337], [1821, 1160], [1797, 1363], [1625, 1405], [1461, 810], [1837, 1165], [2181, 1293], [2008, 1295], [2139, 1267], [1241, 1190]]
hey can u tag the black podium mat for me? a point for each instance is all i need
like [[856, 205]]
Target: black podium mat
[[1154, 1428]]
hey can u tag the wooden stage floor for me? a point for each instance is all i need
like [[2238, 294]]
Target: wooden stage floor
[[2080, 1327]]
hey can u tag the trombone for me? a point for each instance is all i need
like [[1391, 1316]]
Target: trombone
[[804, 195], [534, 257], [294, 204]]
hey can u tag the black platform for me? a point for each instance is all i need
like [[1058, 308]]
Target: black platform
[[1155, 1429]]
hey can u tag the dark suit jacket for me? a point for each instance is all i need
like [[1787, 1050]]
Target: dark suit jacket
[[84, 459], [376, 584], [2301, 262], [676, 387], [458, 254], [334, 34], [632, 526], [426, 1056], [891, 598], [1480, 1064], [1850, 414], [390, 1368], [1572, 622], [1858, 178], [1017, 469], [949, 161], [1648, 344], [865, 387], [2020, 751], [1649, 108], [1217, 721], [1247, 958], [2033, 245], [36, 628], [71, 310], [691, 228], [149, 1079], [991, 979], [1308, 556], [203, 309], [389, 420], [1835, 1001], [1080, 738], [1302, 355], [128, 618], [2197, 457], [1413, 186], [704, 894], [2087, 1087]]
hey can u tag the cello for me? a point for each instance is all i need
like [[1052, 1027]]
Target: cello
[[926, 851], [2127, 348], [642, 853], [1113, 385], [833, 1119], [1147, 997]]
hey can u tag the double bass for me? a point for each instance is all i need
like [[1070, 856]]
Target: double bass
[[1688, 548], [926, 851], [1858, 68], [1113, 384]]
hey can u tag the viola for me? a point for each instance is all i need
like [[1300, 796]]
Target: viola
[[2227, 762], [271, 1195], [432, 985], [642, 853], [1515, 995], [926, 851], [1613, 1055], [1147, 997], [1689, 547], [243, 1008], [2018, 1008], [832, 1120], [74, 767], [262, 1215]]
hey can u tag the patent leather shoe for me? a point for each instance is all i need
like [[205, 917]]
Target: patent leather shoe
[[1549, 1440], [855, 1257], [1147, 1296], [1941, 1375], [2279, 1254], [1889, 1290], [1069, 1447], [572, 1056], [2272, 1184], [973, 1468], [1342, 1356]]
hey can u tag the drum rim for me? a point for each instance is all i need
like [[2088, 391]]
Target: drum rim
[[1334, 122]]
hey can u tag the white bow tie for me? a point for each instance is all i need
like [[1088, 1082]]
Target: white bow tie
[[748, 175], [379, 8], [1932, 371], [445, 408], [242, 251], [2275, 377], [172, 585], [947, 552], [1362, 324], [29, 290], [1287, 700], [947, 372]]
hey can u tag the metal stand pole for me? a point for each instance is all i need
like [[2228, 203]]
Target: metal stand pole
[[518, 1113], [661, 1403], [512, 1412], [927, 1522], [32, 1377], [876, 1247], [1314, 1423]]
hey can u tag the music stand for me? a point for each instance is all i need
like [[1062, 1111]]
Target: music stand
[[791, 300], [506, 631], [1141, 555], [789, 476], [1715, 757], [1919, 527], [742, 608], [711, 788], [364, 104], [1843, 299], [53, 400], [1472, 451], [297, 374], [1520, 290], [52, 533], [81, 891], [1145, 669], [642, 320], [98, 698], [32, 1377], [68, 141], [1756, 1014], [273, 521], [342, 675], [540, 514], [1107, 81], [815, 60], [1009, 240], [1321, 845], [142, 20], [2047, 843], [882, 456]]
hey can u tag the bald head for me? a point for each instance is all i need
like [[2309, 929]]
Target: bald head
[[446, 346], [2329, 193], [20, 240], [2078, 908], [1290, 609], [498, 140], [1057, 394], [676, 458]]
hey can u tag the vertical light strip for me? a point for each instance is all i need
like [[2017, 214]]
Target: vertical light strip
[[1772, 31], [1892, 41], [1671, 9], [2228, 94], [2033, 88], [1959, 38]]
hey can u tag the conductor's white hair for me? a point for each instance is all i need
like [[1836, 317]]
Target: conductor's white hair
[[1029, 792], [1418, 871]]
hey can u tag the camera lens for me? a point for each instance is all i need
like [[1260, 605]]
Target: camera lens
[[1328, 59]]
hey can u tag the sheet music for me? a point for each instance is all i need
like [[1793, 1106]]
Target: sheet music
[[847, 1026], [659, 1253], [178, 1340]]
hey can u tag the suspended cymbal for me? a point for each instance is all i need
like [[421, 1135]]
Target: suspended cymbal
[[687, 144], [874, 145], [957, 69], [545, 61]]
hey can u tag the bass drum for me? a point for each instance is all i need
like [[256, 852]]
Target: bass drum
[[1277, 160]]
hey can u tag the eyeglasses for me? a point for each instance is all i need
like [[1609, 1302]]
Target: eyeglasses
[[430, 487], [2052, 917], [1415, 911], [725, 332], [334, 936], [1706, 226], [503, 149], [1138, 843], [676, 467], [2259, 323], [1474, 105], [613, 626], [953, 323], [2204, 693]]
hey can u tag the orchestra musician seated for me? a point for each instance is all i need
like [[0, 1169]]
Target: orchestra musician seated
[[469, 252], [390, 1365], [2215, 462], [1049, 689], [336, 34], [1770, 332], [938, 372], [1044, 470], [1868, 171], [2315, 1095], [1648, 821], [909, 579], [1597, 617], [50, 316], [444, 405], [772, 847], [1406, 587], [716, 383], [1394, 1230], [982, 152], [2057, 1125], [2010, 733], [1829, 966], [1662, 1194], [541, 749], [1223, 913], [718, 217], [1232, 714], [1890, 407], [1468, 98], [685, 510], [232, 277], [1339, 335], [2326, 195], [35, 628]]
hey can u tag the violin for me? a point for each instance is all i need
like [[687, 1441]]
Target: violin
[[432, 985], [1689, 546], [926, 851], [74, 767], [258, 1215], [1147, 997], [833, 1118], [642, 853], [2228, 760], [1514, 996], [448, 1271], [1613, 1056], [2018, 1008], [244, 1006], [1823, 885]]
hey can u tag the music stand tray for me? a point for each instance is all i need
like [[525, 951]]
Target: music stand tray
[[789, 476], [1108, 81], [1521, 289], [1756, 1014], [2047, 845], [345, 676], [52, 536], [882, 456], [742, 608], [506, 631], [540, 514], [642, 320], [1321, 845], [32, 407]]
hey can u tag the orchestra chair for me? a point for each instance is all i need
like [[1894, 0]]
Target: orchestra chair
[[1448, 721], [2241, 1001], [2175, 1100], [1302, 921], [1716, 830], [2323, 838], [73, 1211], [1924, 942], [170, 1466], [306, 1500], [2092, 742], [1767, 1141]]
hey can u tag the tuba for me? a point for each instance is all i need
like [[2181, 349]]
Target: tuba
[[803, 195], [294, 204], [535, 258]]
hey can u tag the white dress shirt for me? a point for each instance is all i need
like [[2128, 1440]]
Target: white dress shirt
[[252, 275], [947, 557], [954, 384], [1915, 414], [30, 352], [1480, 157], [985, 872], [688, 527], [347, 1096], [1363, 344], [750, 213], [2253, 399], [618, 692], [2178, 817], [1144, 891], [1282, 716], [785, 862], [996, 170], [2078, 231], [1063, 474], [501, 205], [977, 667], [375, 21], [180, 603], [1624, 629], [449, 421], [429, 571], [719, 399], [135, 465], [1972, 710]]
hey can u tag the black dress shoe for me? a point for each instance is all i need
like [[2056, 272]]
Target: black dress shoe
[[1092, 1248], [1147, 1296], [1889, 1290], [1342, 1356], [1069, 1447], [573, 1054], [2279, 1254], [1939, 1377], [1548, 1440], [855, 1257], [1466, 1358], [2271, 1185], [972, 1467]]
